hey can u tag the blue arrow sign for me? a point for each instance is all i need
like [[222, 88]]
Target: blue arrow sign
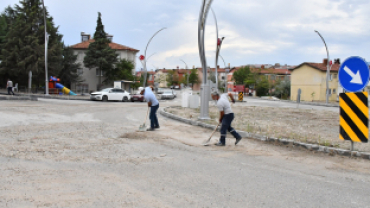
[[354, 74]]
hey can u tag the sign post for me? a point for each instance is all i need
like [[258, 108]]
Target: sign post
[[354, 111]]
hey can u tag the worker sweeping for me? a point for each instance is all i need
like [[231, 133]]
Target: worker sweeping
[[153, 104], [226, 117]]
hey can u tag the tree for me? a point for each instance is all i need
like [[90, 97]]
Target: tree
[[169, 79], [172, 78], [282, 89], [245, 76], [99, 55], [24, 45], [69, 73], [193, 78], [184, 79], [121, 71], [3, 29], [262, 85]]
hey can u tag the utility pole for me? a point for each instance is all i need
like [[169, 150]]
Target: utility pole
[[327, 68], [144, 59], [46, 53], [218, 48], [186, 66]]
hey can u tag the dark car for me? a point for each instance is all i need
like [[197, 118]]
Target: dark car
[[137, 97]]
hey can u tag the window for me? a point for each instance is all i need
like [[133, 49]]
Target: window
[[99, 73], [80, 71], [334, 91], [82, 88], [85, 38], [329, 91], [333, 76]]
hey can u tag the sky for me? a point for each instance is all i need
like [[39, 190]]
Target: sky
[[256, 32]]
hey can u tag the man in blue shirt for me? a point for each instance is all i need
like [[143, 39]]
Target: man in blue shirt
[[153, 104]]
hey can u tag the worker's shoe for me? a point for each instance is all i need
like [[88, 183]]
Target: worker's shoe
[[238, 140], [150, 129], [157, 127], [220, 144]]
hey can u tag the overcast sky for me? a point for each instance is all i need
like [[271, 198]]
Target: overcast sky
[[256, 32]]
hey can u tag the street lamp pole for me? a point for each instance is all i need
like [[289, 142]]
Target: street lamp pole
[[46, 53], [218, 48], [186, 66], [145, 59], [205, 91], [327, 68]]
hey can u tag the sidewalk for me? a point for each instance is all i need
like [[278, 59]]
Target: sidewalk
[[25, 96]]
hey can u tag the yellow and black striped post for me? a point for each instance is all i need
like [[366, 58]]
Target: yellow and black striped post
[[240, 98], [354, 117]]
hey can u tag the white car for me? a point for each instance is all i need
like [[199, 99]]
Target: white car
[[111, 94]]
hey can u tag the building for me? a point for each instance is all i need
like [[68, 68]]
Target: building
[[273, 74], [90, 77], [160, 77], [311, 79], [151, 76]]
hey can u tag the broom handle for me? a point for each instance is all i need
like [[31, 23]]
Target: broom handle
[[147, 113], [215, 129]]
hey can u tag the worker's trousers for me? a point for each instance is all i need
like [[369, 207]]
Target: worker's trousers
[[153, 116], [226, 126]]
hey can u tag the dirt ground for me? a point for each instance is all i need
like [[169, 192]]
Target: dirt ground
[[57, 153], [304, 125]]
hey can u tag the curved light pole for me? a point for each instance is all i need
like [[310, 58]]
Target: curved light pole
[[145, 59], [218, 48], [205, 91], [46, 53], [186, 66], [327, 68]]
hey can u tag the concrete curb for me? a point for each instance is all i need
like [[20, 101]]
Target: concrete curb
[[36, 96], [295, 102], [29, 97], [286, 142]]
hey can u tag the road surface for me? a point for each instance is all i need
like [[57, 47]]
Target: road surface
[[57, 153]]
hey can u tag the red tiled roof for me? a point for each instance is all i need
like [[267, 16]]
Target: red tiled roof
[[319, 66], [139, 72], [266, 71], [115, 46]]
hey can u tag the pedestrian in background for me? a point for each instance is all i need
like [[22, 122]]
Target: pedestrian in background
[[9, 86], [226, 117], [153, 104]]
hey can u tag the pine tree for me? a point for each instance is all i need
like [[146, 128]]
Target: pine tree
[[24, 46], [69, 73], [99, 55], [122, 71]]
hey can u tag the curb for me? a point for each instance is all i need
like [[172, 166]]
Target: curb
[[29, 97], [295, 102], [286, 142], [35, 96]]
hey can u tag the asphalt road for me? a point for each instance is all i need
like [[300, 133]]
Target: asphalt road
[[57, 153]]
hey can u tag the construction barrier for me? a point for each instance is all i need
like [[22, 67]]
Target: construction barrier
[[241, 96], [354, 117]]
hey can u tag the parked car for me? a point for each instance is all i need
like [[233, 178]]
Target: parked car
[[177, 87], [111, 94], [160, 90], [137, 97], [167, 94]]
